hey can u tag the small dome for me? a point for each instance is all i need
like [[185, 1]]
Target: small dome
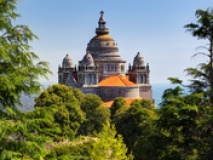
[[138, 61], [88, 60], [67, 62], [102, 45]]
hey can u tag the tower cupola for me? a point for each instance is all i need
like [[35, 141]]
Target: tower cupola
[[138, 61], [88, 60], [67, 62]]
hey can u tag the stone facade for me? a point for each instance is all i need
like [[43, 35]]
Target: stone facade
[[94, 73], [109, 93]]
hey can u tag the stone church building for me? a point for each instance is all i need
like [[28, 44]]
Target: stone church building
[[102, 70]]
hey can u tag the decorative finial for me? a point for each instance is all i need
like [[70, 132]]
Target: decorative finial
[[102, 13], [101, 19], [101, 25]]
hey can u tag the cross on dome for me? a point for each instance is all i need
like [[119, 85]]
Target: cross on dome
[[102, 13]]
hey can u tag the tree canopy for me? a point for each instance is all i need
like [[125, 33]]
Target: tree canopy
[[203, 74], [96, 115], [20, 68], [67, 113]]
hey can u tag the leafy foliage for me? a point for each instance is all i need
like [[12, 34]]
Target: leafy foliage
[[96, 115], [203, 74], [134, 123], [109, 146], [67, 113], [19, 73], [18, 139], [80, 148], [118, 108], [117, 104]]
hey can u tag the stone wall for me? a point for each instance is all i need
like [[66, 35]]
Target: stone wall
[[110, 93], [89, 90], [146, 92]]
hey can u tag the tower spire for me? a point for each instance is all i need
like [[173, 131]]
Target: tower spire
[[101, 25], [101, 22]]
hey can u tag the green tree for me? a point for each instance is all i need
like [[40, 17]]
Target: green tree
[[147, 104], [178, 123], [19, 72], [79, 95], [80, 148], [106, 145], [118, 108], [186, 117], [203, 74], [109, 145], [149, 145], [185, 125], [135, 123], [117, 104], [19, 138], [66, 109], [96, 115]]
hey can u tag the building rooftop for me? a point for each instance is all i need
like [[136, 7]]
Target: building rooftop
[[116, 81]]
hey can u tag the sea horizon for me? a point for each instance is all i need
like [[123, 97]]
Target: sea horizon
[[158, 90]]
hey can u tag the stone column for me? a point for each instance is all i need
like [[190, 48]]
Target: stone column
[[96, 78], [93, 80], [116, 68], [137, 78], [85, 78], [147, 78]]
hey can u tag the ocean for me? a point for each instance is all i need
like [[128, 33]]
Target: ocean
[[158, 90]]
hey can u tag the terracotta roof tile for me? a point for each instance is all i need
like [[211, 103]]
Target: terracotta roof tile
[[116, 81], [127, 77]]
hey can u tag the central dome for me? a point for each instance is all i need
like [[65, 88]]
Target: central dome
[[102, 45]]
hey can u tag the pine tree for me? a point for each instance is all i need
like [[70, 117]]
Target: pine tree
[[20, 68]]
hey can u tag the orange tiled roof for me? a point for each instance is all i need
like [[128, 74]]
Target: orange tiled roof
[[127, 77], [116, 81]]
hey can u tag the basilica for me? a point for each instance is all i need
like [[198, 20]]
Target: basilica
[[102, 70]]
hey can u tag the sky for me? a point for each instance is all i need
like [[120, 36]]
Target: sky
[[152, 27]]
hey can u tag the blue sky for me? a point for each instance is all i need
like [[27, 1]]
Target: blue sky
[[152, 27]]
